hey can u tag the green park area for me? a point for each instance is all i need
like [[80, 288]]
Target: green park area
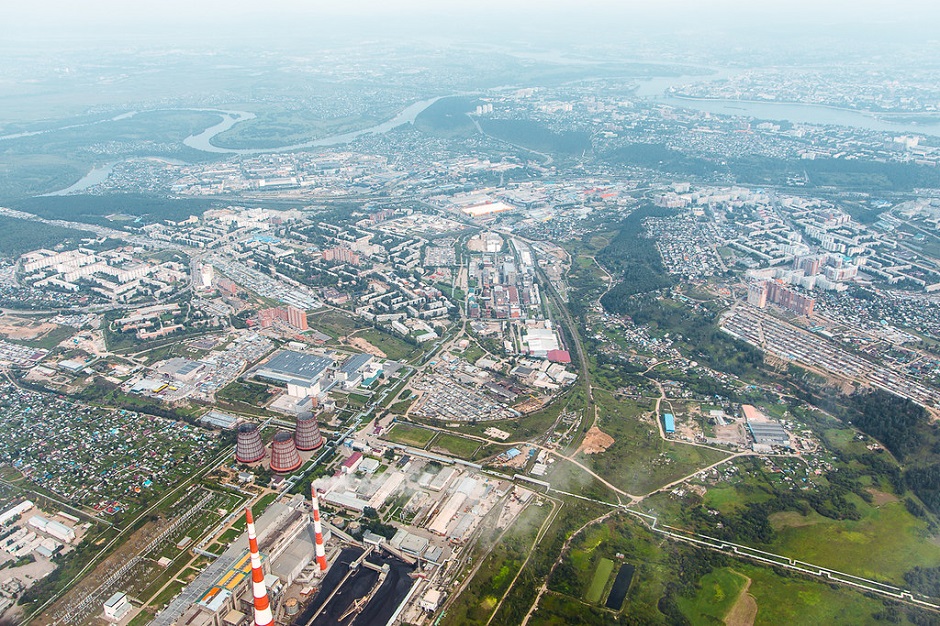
[[244, 394], [334, 323]]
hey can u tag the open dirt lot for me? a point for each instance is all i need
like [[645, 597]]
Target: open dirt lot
[[361, 344], [744, 611], [21, 328], [596, 441]]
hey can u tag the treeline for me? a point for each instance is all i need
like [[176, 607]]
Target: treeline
[[894, 421], [94, 209], [904, 428], [20, 236], [536, 136], [759, 170], [924, 580], [661, 158], [695, 330], [633, 259], [448, 118]]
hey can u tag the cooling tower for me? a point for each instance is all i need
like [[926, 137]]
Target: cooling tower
[[284, 457], [249, 448], [308, 435]]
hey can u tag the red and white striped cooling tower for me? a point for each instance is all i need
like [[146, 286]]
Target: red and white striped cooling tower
[[308, 435], [284, 457]]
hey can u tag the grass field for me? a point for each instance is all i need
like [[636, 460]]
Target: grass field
[[393, 347], [410, 435], [333, 323], [249, 394], [599, 582], [457, 446], [805, 602], [883, 544], [639, 461], [717, 593]]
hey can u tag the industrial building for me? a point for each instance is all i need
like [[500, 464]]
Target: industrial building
[[52, 528], [669, 422], [222, 594], [116, 607], [249, 447], [284, 456], [299, 371], [7, 516], [307, 435], [766, 432]]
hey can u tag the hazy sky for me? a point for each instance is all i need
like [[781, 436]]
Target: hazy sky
[[103, 21]]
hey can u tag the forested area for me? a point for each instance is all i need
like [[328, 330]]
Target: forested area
[[19, 236], [95, 209], [536, 136], [904, 428], [634, 261]]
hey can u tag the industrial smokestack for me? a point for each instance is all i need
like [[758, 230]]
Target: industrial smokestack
[[318, 529], [308, 435], [249, 448], [284, 457], [263, 615]]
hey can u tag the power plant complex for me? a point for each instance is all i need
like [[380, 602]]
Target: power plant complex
[[247, 587]]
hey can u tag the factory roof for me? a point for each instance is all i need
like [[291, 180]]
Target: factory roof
[[355, 363], [295, 366]]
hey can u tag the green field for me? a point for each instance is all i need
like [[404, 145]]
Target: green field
[[457, 446], [717, 593], [599, 582], [883, 544], [333, 323], [410, 435], [394, 348], [253, 395], [786, 600], [639, 461]]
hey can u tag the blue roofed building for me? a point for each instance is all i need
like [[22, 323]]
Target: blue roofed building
[[669, 422]]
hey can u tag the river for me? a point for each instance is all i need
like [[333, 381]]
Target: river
[[203, 141], [656, 90], [99, 174]]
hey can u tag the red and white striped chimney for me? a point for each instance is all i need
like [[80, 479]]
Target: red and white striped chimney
[[318, 529], [263, 615]]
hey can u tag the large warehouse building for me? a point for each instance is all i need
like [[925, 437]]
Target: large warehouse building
[[299, 371]]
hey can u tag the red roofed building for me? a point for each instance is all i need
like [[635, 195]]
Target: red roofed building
[[558, 356], [349, 465]]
